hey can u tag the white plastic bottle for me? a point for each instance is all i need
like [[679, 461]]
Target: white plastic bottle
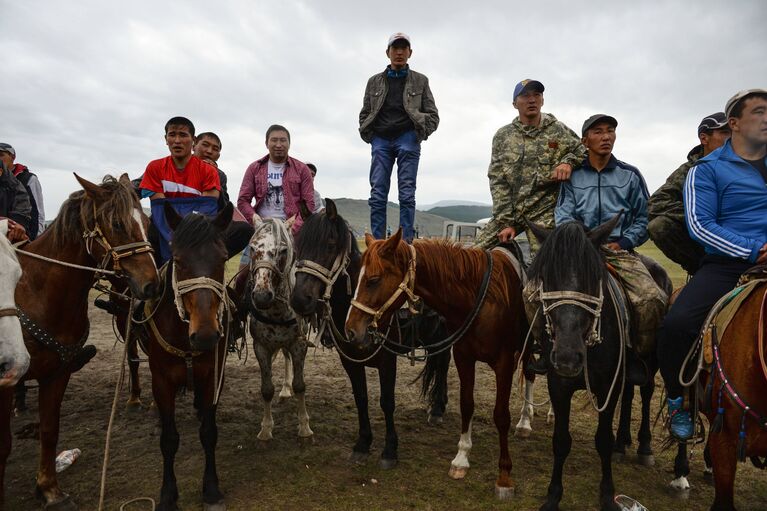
[[66, 458]]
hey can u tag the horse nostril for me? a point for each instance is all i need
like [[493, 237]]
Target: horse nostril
[[350, 335]]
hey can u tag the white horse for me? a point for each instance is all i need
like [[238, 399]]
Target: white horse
[[273, 324], [14, 357]]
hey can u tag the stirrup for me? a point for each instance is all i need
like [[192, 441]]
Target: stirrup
[[106, 305]]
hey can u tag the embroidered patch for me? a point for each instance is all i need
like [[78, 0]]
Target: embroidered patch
[[553, 144]]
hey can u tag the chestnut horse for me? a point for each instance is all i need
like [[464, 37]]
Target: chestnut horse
[[736, 398], [101, 228], [186, 346], [479, 293]]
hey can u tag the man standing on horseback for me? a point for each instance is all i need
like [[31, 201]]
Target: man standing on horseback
[[600, 188], [725, 208], [398, 113], [530, 157], [666, 211]]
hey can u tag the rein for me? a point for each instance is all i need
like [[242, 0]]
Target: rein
[[8, 312]]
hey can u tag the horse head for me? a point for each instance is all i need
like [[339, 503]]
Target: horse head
[[385, 268], [115, 228], [14, 357], [199, 258], [570, 272], [271, 260], [322, 250]]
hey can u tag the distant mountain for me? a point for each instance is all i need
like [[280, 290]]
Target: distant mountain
[[443, 203], [357, 213], [462, 213]]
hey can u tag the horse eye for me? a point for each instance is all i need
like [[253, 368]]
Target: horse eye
[[373, 281]]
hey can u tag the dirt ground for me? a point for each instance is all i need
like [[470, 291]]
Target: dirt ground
[[285, 475]]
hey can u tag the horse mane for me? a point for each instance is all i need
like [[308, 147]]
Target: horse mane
[[195, 230], [568, 247], [457, 269], [311, 241], [77, 211]]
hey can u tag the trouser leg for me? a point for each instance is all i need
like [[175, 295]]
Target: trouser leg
[[408, 151], [381, 165], [671, 237]]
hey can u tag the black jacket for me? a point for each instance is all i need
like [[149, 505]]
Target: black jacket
[[14, 201]]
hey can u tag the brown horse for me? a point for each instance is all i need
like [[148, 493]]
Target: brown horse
[[736, 400], [101, 226], [186, 346], [479, 294]]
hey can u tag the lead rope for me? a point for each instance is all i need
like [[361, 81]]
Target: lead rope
[[118, 386]]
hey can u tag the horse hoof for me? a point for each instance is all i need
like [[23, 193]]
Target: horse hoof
[[264, 436], [387, 463], [218, 506], [359, 458], [646, 460], [708, 475], [133, 405], [65, 503], [457, 472], [681, 485], [305, 441], [285, 395], [619, 457], [523, 432], [434, 420], [504, 492]]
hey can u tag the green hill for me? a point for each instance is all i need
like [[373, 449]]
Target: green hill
[[462, 213], [357, 213]]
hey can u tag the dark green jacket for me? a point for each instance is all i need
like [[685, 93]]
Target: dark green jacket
[[418, 102], [667, 200]]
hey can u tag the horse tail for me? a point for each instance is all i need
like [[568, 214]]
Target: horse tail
[[433, 387]]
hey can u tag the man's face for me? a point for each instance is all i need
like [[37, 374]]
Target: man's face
[[529, 103], [7, 158], [207, 148], [600, 139], [714, 139], [752, 124], [179, 140], [278, 144], [398, 54]]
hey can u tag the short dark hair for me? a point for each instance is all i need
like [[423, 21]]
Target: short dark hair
[[737, 110], [312, 167], [276, 127], [209, 134], [180, 121]]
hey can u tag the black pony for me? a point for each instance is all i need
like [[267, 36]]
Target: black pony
[[585, 344], [326, 243]]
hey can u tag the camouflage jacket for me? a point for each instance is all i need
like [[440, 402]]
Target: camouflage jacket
[[667, 200], [522, 160]]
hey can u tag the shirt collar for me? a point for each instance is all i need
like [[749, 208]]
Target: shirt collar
[[611, 164]]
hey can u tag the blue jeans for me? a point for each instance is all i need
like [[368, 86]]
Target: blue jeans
[[406, 149]]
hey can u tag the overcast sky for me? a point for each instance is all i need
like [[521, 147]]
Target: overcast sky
[[87, 86]]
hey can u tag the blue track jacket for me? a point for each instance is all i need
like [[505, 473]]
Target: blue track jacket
[[595, 197], [725, 205]]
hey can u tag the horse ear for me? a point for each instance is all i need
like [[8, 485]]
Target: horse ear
[[330, 209], [125, 180], [92, 190], [290, 221], [171, 216], [224, 217], [392, 243], [256, 220], [599, 234], [539, 231], [304, 209], [369, 239]]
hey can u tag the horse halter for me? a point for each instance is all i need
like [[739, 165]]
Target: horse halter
[[281, 237], [589, 303], [407, 286], [114, 253], [329, 276], [182, 287]]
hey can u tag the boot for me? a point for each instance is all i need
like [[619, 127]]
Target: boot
[[680, 422]]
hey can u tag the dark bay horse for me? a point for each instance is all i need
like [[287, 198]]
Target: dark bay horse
[[736, 400], [186, 346], [585, 344], [100, 226], [326, 246], [479, 293]]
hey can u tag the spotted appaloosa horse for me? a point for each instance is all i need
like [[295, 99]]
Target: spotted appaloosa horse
[[99, 226], [14, 357], [273, 324], [478, 293]]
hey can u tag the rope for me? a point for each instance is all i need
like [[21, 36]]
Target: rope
[[524, 348], [64, 263]]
